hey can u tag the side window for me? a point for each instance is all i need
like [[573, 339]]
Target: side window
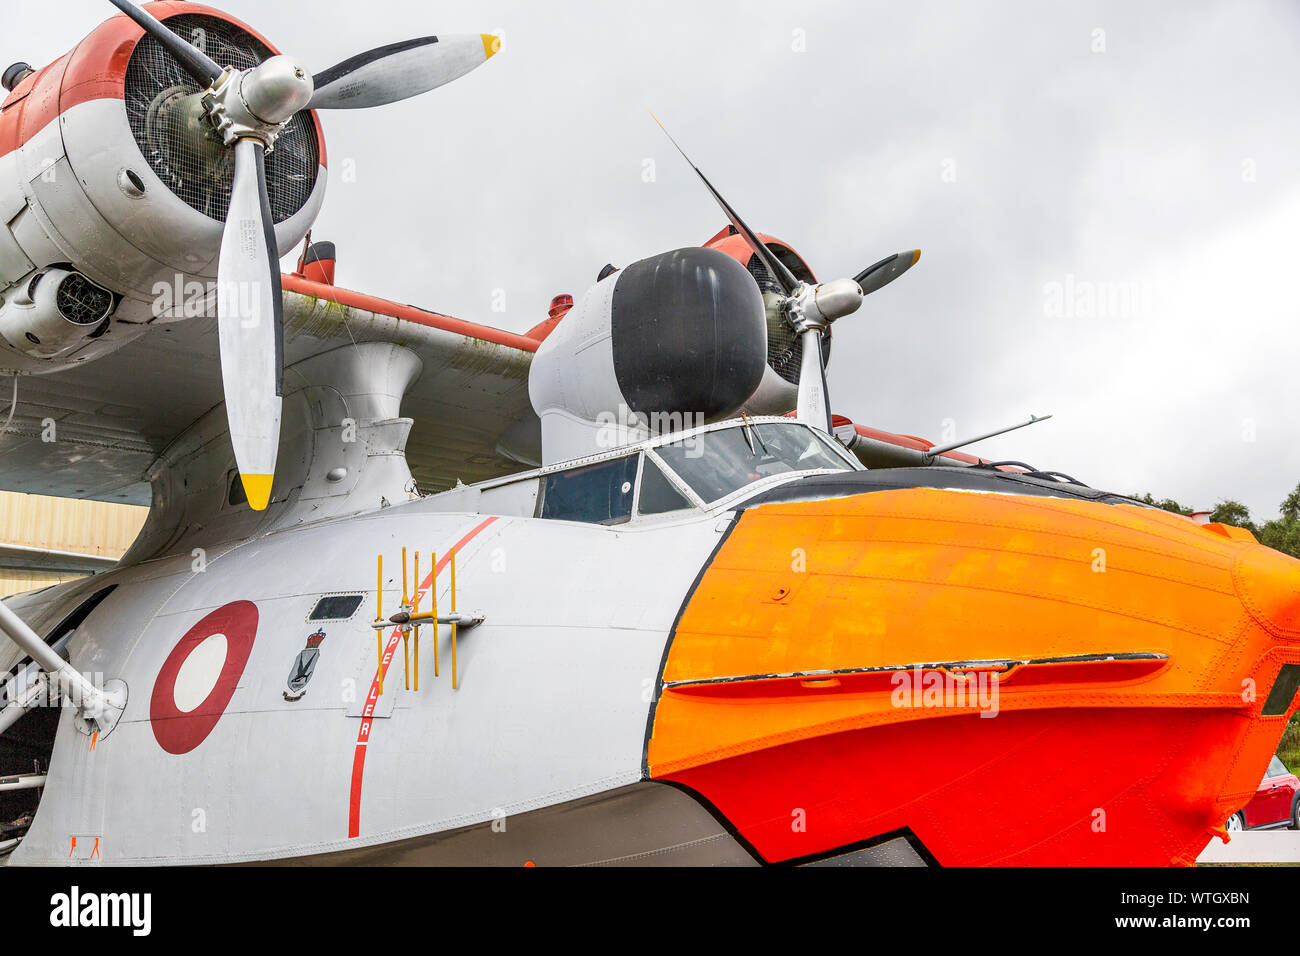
[[658, 495], [335, 607], [600, 493]]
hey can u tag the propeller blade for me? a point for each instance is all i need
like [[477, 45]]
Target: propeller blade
[[783, 276], [886, 270], [813, 406], [390, 73], [197, 64], [249, 324]]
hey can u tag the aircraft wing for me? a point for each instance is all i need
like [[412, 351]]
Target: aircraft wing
[[93, 431]]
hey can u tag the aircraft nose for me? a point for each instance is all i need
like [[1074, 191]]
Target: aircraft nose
[[1123, 641], [1268, 584]]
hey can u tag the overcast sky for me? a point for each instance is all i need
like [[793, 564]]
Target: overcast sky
[[1107, 196]]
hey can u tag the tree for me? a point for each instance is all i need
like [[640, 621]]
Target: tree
[[1234, 513], [1282, 533], [1291, 506], [1166, 504]]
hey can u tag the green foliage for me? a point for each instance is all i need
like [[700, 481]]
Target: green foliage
[[1282, 533], [1288, 751], [1291, 506], [1166, 504], [1234, 513]]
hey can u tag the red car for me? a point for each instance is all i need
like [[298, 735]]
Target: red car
[[1276, 803]]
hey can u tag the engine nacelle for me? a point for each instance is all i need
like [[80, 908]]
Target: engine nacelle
[[669, 342], [107, 165], [54, 311], [779, 390]]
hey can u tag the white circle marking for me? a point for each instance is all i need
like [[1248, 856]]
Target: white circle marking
[[199, 673]]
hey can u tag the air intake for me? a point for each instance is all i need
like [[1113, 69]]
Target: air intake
[[177, 140], [82, 302], [56, 311]]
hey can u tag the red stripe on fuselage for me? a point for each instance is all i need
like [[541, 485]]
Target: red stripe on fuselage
[[367, 713]]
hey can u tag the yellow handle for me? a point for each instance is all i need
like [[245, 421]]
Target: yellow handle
[[415, 606]]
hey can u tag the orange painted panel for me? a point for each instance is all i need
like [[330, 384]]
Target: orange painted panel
[[868, 585]]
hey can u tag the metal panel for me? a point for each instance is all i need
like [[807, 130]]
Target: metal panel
[[534, 722]]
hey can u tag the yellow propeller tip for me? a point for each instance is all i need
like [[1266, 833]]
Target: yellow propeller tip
[[916, 254], [257, 488], [491, 45]]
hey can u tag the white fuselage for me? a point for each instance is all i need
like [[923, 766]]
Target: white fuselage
[[555, 687]]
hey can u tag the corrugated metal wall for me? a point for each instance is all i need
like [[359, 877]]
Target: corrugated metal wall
[[63, 524]]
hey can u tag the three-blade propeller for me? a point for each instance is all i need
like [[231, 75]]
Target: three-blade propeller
[[248, 109], [810, 308]]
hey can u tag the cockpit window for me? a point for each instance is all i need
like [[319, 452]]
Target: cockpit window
[[717, 463], [658, 494], [599, 493]]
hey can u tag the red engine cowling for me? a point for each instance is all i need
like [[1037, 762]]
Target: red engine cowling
[[107, 171]]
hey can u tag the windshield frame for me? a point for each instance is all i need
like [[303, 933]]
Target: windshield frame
[[646, 449], [759, 484]]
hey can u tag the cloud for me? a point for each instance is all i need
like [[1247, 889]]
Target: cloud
[[1153, 159]]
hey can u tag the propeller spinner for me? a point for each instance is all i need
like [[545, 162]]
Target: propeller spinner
[[810, 308], [248, 109]]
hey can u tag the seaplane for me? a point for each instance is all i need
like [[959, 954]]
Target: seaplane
[[618, 590]]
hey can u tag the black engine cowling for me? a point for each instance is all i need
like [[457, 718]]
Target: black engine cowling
[[680, 336]]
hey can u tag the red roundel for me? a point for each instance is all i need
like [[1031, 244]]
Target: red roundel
[[200, 675]]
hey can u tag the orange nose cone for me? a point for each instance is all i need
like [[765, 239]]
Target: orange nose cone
[[1268, 583]]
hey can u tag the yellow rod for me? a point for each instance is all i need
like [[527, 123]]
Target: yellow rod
[[406, 598], [454, 683], [433, 592], [379, 616], [416, 607], [406, 656]]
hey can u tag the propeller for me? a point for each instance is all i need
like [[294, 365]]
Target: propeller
[[247, 110], [395, 72], [810, 308], [885, 271]]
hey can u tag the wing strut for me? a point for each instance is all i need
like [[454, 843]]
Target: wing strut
[[97, 710]]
